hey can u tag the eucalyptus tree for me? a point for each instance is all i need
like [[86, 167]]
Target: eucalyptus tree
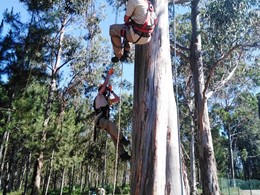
[[225, 103], [156, 164], [220, 34], [246, 138]]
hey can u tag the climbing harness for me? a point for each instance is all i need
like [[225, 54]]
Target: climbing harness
[[146, 29], [118, 134], [102, 112], [143, 30], [150, 22]]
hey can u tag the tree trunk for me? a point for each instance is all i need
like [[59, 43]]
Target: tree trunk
[[36, 179], [81, 177], [193, 181], [186, 184], [50, 172], [3, 152], [206, 153], [71, 179], [231, 159], [104, 173], [62, 181], [28, 163], [155, 154]]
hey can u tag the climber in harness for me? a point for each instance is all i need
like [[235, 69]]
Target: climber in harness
[[101, 106], [140, 20]]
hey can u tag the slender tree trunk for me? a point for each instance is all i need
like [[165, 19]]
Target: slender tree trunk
[[12, 171], [185, 178], [50, 172], [7, 167], [105, 166], [28, 164], [62, 181], [36, 179], [3, 152], [71, 179], [81, 177], [124, 175], [193, 180], [22, 175], [206, 153], [156, 160], [230, 150]]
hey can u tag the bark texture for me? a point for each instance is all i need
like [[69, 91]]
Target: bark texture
[[206, 152], [155, 154]]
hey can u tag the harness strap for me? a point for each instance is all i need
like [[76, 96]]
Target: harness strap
[[140, 36], [144, 28], [113, 43]]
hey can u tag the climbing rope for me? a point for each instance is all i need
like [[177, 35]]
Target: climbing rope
[[176, 90], [119, 128], [119, 116]]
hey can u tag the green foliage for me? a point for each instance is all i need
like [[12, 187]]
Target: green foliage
[[224, 25]]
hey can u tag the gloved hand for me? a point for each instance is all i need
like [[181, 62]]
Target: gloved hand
[[109, 87], [111, 71]]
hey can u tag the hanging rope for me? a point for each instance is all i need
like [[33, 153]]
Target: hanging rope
[[119, 128], [119, 117]]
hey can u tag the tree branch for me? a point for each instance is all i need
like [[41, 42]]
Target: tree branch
[[181, 47], [180, 1], [181, 54], [58, 68], [220, 84], [222, 58]]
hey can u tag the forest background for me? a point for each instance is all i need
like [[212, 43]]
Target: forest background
[[51, 64]]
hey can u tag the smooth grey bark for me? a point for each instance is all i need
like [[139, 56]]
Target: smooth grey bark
[[156, 161], [230, 151], [62, 181], [193, 180], [206, 152]]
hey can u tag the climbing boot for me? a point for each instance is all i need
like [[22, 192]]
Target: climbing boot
[[125, 56], [124, 141], [115, 59], [125, 156]]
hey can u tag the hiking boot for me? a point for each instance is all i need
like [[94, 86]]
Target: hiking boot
[[125, 56], [115, 59], [125, 156], [124, 141]]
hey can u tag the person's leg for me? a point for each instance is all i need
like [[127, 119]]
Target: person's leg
[[115, 34], [127, 45], [111, 128], [121, 149]]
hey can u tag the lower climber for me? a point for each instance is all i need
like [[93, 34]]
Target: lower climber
[[101, 106], [140, 20]]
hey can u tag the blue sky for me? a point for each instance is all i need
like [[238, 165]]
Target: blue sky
[[110, 19]]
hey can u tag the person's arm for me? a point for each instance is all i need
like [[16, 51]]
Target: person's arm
[[129, 11], [115, 99], [103, 88], [126, 19]]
